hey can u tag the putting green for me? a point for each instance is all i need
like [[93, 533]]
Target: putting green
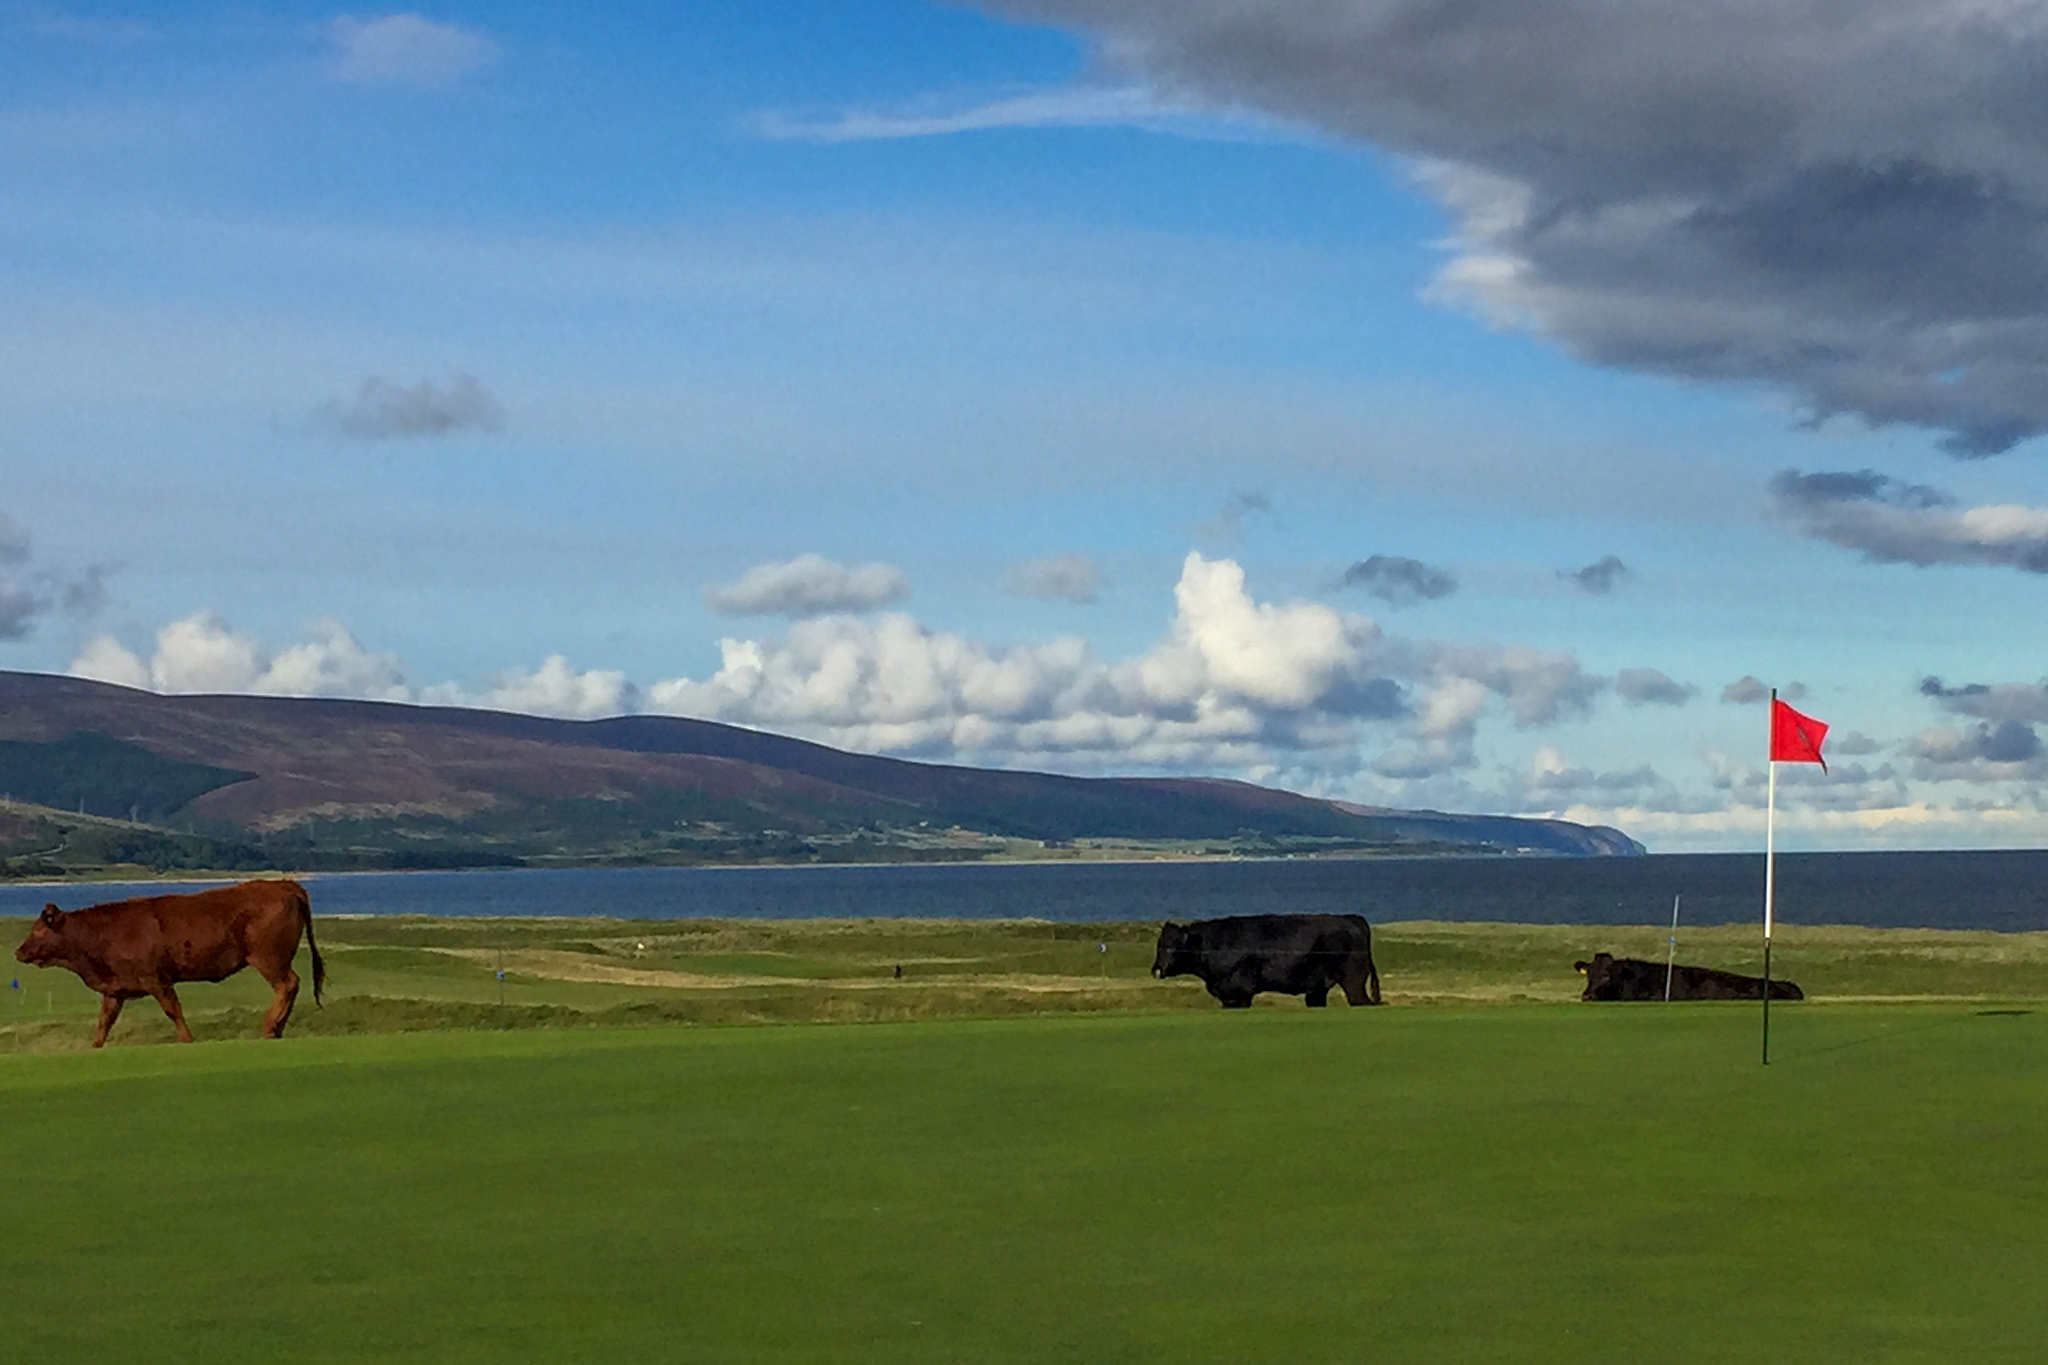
[[1506, 1183]]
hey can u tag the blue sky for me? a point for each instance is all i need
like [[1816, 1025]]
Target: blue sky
[[1075, 386]]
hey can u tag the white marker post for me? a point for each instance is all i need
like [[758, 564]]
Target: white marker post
[[1671, 950]]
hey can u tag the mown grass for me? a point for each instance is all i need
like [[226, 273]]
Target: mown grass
[[399, 974], [1461, 1183]]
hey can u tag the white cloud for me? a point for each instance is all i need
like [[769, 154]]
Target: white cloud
[[202, 653], [809, 585], [556, 689], [105, 659], [1130, 106], [1235, 684], [1297, 692], [406, 49], [330, 663]]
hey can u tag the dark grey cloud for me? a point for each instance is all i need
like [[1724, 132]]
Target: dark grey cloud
[[1059, 578], [1228, 524], [14, 543], [1601, 577], [1892, 522], [18, 610], [1747, 690], [26, 593], [1572, 779], [1844, 200], [1399, 580], [382, 409], [1984, 752], [809, 585], [1647, 686], [1992, 702]]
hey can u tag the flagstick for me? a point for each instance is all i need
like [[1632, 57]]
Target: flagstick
[[1770, 879]]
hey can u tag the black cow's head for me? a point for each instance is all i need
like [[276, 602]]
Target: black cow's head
[[1175, 957], [45, 942], [1599, 974]]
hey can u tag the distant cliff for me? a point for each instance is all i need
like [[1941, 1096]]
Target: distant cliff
[[319, 783]]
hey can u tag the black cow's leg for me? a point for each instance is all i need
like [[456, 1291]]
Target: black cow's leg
[[1319, 997], [168, 998], [110, 1010]]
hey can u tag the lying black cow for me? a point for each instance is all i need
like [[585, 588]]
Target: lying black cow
[[1631, 978], [1292, 954]]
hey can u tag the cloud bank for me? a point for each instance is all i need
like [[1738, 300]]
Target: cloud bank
[[1844, 202], [1891, 522], [1233, 685]]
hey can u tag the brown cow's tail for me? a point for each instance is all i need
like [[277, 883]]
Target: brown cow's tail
[[306, 920]]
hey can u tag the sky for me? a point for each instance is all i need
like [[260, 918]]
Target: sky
[[1475, 406]]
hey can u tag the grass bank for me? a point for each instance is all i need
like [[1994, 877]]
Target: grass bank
[[402, 974]]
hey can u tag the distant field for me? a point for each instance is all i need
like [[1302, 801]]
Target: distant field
[[391, 974], [1460, 1183]]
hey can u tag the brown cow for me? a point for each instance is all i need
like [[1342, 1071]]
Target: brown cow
[[145, 946]]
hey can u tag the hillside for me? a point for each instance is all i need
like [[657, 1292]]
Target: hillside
[[318, 783]]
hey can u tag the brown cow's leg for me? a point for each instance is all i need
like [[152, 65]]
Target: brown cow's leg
[[168, 998], [110, 1010], [281, 1008]]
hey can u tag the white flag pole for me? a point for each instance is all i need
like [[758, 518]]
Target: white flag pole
[[1770, 867]]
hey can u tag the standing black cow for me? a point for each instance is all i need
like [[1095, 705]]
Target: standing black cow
[[1292, 954], [1631, 978]]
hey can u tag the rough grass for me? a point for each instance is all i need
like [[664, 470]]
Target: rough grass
[[1511, 1183], [407, 974]]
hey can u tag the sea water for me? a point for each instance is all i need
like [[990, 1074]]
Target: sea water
[[2006, 890]]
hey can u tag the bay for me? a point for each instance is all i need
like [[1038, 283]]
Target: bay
[[2003, 890]]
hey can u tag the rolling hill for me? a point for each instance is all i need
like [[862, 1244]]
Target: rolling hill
[[318, 783]]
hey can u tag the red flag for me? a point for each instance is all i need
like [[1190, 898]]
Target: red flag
[[1796, 738]]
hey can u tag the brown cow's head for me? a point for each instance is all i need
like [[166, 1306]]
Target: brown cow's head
[[45, 942]]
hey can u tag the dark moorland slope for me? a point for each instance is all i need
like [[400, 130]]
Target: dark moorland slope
[[321, 782]]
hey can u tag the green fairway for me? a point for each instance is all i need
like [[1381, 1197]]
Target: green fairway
[[1510, 1183]]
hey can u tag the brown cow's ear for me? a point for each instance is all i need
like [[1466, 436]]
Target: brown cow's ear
[[50, 913]]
